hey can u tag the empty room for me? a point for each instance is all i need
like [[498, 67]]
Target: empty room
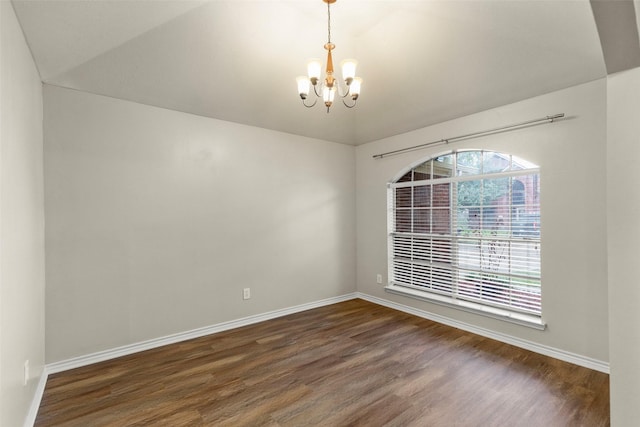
[[319, 212]]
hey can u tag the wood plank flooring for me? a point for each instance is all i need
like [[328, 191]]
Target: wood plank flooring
[[350, 364]]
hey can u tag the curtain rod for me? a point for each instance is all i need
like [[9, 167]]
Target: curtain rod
[[547, 119]]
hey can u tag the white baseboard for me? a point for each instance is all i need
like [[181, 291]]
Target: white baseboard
[[566, 356], [101, 356], [37, 399]]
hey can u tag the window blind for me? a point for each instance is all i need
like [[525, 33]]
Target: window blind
[[466, 226]]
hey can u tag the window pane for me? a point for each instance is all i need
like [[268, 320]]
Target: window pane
[[406, 177], [518, 195], [403, 197], [495, 162], [441, 195], [469, 254], [526, 300], [422, 171], [526, 192], [402, 246], [495, 192], [469, 163], [441, 251], [495, 221], [526, 225], [403, 221], [469, 193], [462, 222], [525, 258], [526, 208], [442, 280], [521, 164], [422, 276], [422, 221], [443, 167], [402, 272], [422, 196], [440, 221], [421, 249], [495, 289], [494, 255], [470, 285]]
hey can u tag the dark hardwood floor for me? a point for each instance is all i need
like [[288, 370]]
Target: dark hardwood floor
[[348, 364]]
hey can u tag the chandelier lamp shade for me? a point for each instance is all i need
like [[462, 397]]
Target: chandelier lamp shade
[[328, 87]]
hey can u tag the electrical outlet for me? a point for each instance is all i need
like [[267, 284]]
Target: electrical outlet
[[246, 293], [26, 372], [379, 279]]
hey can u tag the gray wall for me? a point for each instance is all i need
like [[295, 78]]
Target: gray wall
[[21, 223], [623, 218], [156, 221], [571, 155]]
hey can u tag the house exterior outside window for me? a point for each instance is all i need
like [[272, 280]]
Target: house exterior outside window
[[464, 231]]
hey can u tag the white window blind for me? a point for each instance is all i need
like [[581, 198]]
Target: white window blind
[[465, 227]]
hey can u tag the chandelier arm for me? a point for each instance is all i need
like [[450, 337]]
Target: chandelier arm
[[312, 105], [347, 93], [347, 105], [315, 90]]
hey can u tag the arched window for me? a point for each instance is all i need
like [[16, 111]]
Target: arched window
[[464, 231]]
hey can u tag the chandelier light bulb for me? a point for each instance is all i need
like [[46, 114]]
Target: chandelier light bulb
[[349, 70], [314, 69], [328, 95], [303, 86], [355, 88]]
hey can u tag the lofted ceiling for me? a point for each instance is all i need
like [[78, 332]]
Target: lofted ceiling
[[422, 62]]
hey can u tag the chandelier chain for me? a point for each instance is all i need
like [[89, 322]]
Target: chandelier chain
[[328, 22]]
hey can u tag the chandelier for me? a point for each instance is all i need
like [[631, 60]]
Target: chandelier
[[329, 86]]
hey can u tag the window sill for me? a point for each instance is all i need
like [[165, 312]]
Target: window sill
[[493, 312]]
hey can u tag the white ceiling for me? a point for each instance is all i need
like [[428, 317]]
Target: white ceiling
[[422, 62]]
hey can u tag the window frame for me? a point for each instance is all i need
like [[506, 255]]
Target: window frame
[[452, 297]]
